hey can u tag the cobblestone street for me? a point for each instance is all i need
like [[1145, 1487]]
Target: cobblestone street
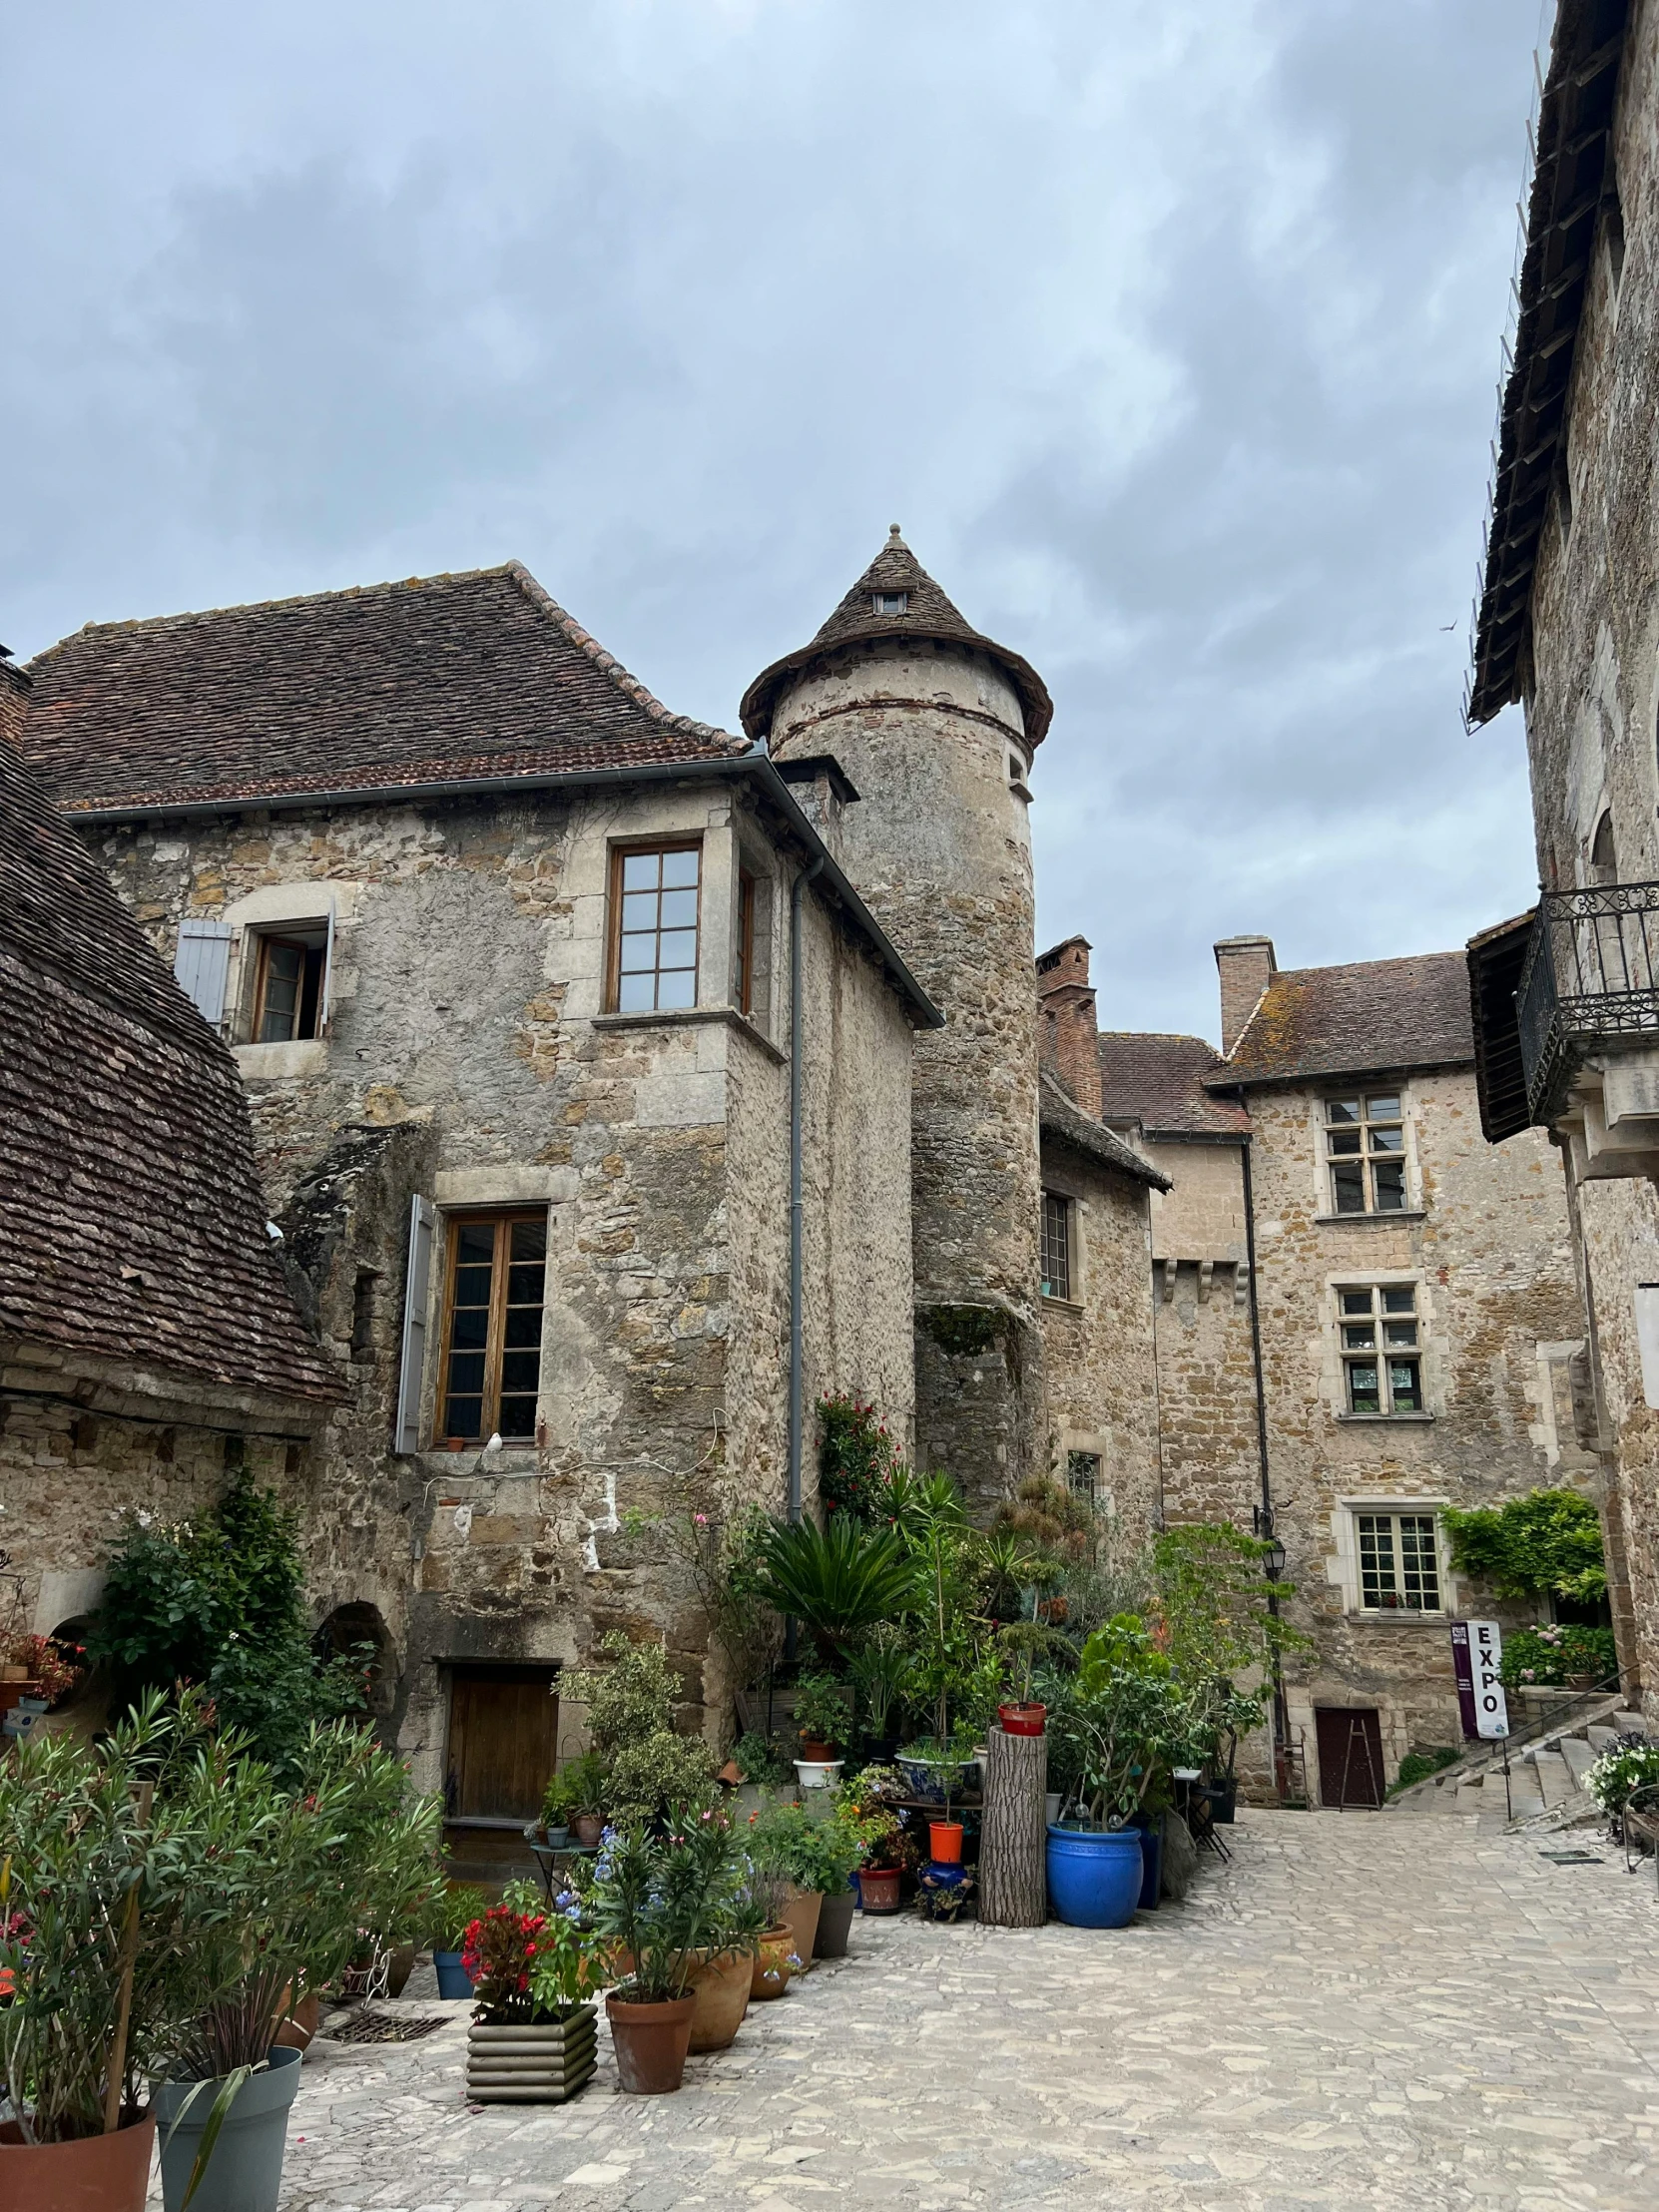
[[1361, 2011]]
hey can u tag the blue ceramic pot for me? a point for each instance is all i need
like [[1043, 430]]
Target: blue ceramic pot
[[1152, 1863], [453, 1978], [1095, 1875]]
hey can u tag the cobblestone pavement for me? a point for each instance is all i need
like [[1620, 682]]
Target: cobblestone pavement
[[1361, 2011]]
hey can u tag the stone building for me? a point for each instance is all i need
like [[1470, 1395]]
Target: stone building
[[1567, 996], [1413, 1305], [522, 974], [147, 1337]]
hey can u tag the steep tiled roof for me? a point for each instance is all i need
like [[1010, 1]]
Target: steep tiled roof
[[1356, 1020], [440, 679], [928, 614], [1158, 1080], [131, 1223], [1060, 1116]]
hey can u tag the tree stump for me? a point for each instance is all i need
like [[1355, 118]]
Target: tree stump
[[1013, 1833]]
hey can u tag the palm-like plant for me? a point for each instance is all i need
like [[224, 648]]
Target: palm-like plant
[[834, 1580]]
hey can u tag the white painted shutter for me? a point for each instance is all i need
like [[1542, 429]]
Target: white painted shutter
[[423, 1222], [325, 997], [202, 964]]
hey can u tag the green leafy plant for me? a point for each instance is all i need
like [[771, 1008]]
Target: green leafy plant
[[531, 1963], [1617, 1775], [855, 1458], [1021, 1645], [630, 1698], [1549, 1542], [578, 1787], [450, 1913], [835, 1580], [649, 1779], [220, 1602], [765, 1760], [1126, 1716], [723, 1560], [663, 1898], [823, 1709], [880, 1672], [1547, 1654], [1418, 1766]]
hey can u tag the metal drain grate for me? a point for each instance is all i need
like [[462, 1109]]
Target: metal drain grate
[[368, 2026]]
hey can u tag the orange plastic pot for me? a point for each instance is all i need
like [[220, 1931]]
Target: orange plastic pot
[[650, 2042], [99, 2174], [944, 1841]]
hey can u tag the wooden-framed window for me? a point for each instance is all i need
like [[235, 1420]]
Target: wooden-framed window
[[655, 893], [746, 943], [1381, 1354], [1054, 1255], [1083, 1475], [1400, 1562], [1365, 1147], [492, 1309], [289, 981]]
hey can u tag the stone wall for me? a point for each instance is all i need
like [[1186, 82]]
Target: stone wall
[[1099, 1366], [938, 845], [1591, 683], [469, 1060]]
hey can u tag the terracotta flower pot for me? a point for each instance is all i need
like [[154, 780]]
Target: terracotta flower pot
[[815, 1749], [651, 2041], [1581, 1681], [587, 1829], [771, 1971], [99, 2174], [295, 2030], [399, 1969], [878, 1888], [800, 1919], [1022, 1720], [835, 1925], [944, 1841], [722, 1993]]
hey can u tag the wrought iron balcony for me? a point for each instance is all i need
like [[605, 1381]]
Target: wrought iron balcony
[[1590, 984]]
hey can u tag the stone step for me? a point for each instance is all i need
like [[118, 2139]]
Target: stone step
[[1603, 1739], [1630, 1724], [1580, 1754], [1553, 1777]]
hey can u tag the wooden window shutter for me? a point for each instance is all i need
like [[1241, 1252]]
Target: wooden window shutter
[[200, 965], [423, 1222]]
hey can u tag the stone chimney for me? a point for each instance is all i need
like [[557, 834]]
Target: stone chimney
[[823, 791], [1068, 1034], [1246, 966]]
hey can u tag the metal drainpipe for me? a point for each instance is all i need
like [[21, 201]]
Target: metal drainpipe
[[1280, 1719], [796, 1204]]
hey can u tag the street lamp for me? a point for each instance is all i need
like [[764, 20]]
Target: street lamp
[[1273, 1559]]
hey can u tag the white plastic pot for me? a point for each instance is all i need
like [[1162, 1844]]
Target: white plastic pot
[[819, 1773]]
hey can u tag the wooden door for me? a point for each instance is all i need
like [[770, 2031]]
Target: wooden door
[[1350, 1741], [503, 1734]]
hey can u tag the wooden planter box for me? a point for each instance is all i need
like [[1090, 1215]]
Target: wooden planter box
[[531, 2065]]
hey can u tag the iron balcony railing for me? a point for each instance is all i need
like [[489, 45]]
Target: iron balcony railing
[[1591, 980]]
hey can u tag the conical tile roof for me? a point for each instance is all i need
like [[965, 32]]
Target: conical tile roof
[[927, 613]]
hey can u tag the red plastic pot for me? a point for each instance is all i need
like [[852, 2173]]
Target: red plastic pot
[[98, 2173], [878, 1888], [944, 1841], [651, 2041], [1022, 1720]]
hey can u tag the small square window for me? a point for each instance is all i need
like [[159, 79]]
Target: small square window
[[1364, 1150], [1393, 1384], [289, 983], [891, 602]]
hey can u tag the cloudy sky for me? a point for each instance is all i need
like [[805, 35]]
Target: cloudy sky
[[1169, 334]]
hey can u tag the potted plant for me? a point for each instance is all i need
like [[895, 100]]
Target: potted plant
[[824, 1716], [573, 1798], [880, 1672], [449, 1920], [830, 1849], [534, 2036], [780, 1845], [1022, 1644], [657, 1900], [885, 1848], [1124, 1712], [722, 1981], [770, 1887]]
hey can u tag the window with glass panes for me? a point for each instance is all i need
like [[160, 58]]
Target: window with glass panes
[[492, 1326], [1365, 1146], [1381, 1357], [1055, 1253], [653, 928], [1400, 1562], [1083, 1475]]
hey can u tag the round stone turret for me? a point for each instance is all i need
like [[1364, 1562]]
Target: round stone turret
[[935, 727]]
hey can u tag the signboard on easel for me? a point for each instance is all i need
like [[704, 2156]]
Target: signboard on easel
[[1477, 1657]]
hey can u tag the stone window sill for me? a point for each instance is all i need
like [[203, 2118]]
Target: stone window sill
[[685, 1017], [273, 1062], [1400, 1616], [1053, 1304], [1368, 1221], [459, 1466], [1389, 1420]]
